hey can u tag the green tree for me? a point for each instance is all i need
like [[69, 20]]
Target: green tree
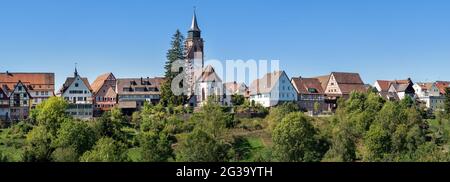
[[343, 144], [276, 114], [155, 147], [212, 119], [51, 113], [447, 101], [76, 135], [237, 99], [65, 154], [175, 53], [110, 125], [106, 150], [38, 145], [295, 140], [200, 146]]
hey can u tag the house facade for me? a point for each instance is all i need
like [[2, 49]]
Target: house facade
[[340, 85], [272, 89], [132, 93], [77, 92], [429, 95], [19, 102], [40, 86], [4, 105], [234, 88], [311, 96], [104, 93]]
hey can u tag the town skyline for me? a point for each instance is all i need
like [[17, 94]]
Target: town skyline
[[56, 45]]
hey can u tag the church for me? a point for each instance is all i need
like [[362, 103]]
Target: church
[[203, 81]]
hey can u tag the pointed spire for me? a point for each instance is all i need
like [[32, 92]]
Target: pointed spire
[[76, 71], [194, 25]]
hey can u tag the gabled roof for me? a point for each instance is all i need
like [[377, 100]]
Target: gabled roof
[[24, 87], [347, 78], [98, 83], [425, 86], [323, 80], [69, 82], [29, 79], [308, 85], [442, 86], [402, 85], [234, 87], [349, 82], [153, 85], [384, 85], [209, 75], [266, 83]]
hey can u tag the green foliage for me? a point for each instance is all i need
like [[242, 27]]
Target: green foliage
[[295, 140], [237, 99], [155, 147], [66, 154], [343, 144], [75, 135], [276, 114], [447, 101], [51, 113], [200, 146], [110, 125], [212, 119], [175, 53], [106, 150], [38, 145]]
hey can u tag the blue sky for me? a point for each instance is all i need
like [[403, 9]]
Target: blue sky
[[381, 39]]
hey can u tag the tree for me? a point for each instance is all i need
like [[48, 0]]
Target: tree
[[76, 135], [175, 53], [276, 114], [295, 140], [447, 101], [212, 119], [65, 154], [110, 125], [155, 147], [51, 113], [200, 146], [343, 144], [38, 145], [378, 143], [237, 99], [106, 150]]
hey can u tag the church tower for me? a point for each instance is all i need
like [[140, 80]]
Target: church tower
[[193, 47]]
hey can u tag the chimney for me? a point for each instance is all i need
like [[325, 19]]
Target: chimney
[[142, 81]]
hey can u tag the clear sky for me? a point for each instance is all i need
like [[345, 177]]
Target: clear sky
[[380, 39]]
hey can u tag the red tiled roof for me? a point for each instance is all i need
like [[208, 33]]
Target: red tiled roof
[[384, 85], [36, 81], [98, 83], [307, 85], [442, 86]]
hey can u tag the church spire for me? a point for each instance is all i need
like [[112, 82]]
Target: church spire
[[76, 71], [194, 25]]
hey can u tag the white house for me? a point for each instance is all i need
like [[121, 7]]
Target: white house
[[209, 86], [429, 94], [272, 89], [77, 91]]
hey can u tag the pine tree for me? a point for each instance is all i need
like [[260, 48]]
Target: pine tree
[[175, 53]]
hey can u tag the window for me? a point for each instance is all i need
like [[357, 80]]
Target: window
[[19, 88], [25, 95], [76, 84], [37, 93], [42, 93], [24, 102]]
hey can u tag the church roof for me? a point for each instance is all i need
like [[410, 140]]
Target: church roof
[[194, 25], [209, 75]]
